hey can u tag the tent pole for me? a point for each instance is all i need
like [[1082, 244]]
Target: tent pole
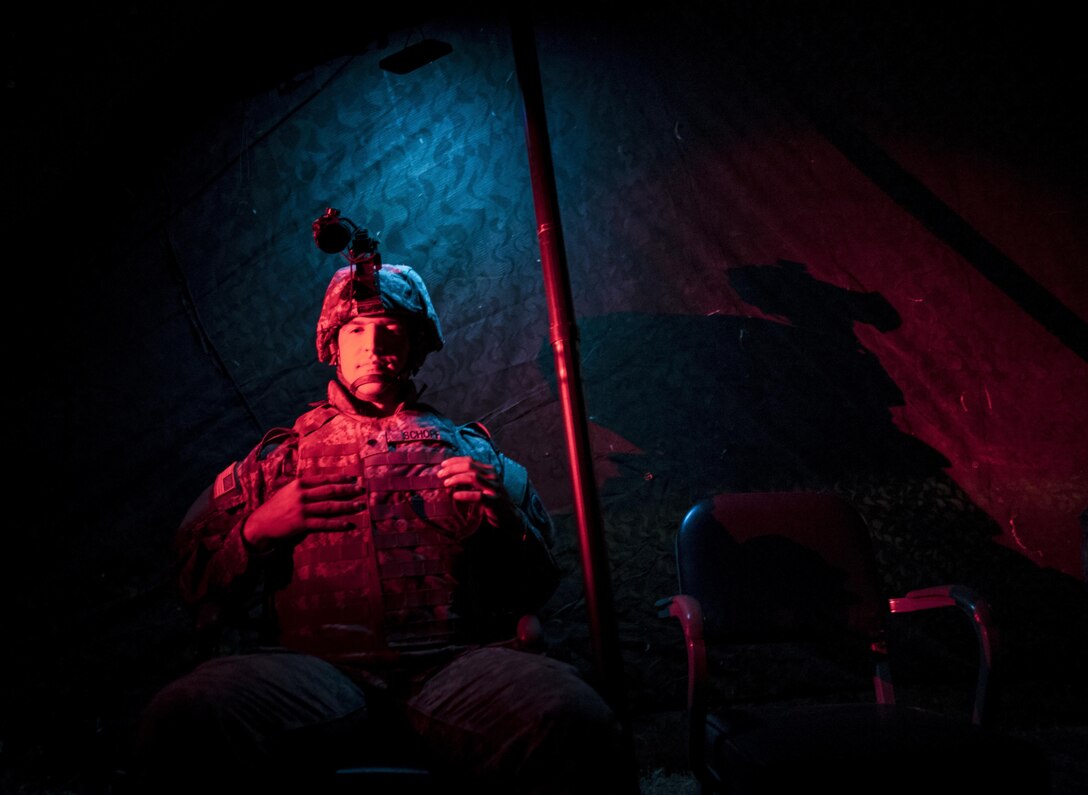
[[563, 334]]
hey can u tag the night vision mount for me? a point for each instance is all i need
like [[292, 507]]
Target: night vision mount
[[333, 234]]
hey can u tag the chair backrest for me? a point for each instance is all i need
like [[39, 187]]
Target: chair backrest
[[780, 567], [775, 573]]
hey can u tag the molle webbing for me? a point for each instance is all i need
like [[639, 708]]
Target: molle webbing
[[388, 583], [416, 529]]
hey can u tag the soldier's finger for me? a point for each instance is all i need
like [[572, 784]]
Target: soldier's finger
[[317, 524], [460, 479], [473, 495], [464, 464], [333, 507], [340, 491]]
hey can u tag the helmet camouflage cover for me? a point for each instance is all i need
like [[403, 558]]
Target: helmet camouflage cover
[[400, 292]]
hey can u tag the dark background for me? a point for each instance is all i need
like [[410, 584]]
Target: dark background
[[835, 250]]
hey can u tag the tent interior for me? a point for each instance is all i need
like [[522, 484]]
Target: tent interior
[[835, 248]]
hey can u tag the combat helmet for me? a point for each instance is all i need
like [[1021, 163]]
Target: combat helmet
[[386, 290]]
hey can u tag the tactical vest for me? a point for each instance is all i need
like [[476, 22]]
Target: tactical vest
[[387, 586]]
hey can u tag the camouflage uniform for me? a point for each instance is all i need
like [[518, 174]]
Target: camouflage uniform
[[414, 607], [419, 577]]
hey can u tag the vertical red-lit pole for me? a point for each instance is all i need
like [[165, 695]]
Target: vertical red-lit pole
[[563, 333]]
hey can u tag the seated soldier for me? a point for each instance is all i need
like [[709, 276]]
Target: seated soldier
[[393, 551]]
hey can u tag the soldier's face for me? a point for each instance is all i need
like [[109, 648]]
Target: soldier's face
[[374, 351]]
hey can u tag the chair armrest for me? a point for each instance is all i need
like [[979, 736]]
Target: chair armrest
[[977, 610], [687, 610]]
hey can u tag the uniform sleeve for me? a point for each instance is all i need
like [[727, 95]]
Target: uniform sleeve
[[215, 563], [523, 495], [537, 533]]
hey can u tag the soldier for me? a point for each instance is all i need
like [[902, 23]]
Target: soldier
[[391, 553]]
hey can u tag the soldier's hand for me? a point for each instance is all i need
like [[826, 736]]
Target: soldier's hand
[[474, 481], [305, 505]]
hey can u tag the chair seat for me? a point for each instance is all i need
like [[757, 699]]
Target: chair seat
[[867, 748]]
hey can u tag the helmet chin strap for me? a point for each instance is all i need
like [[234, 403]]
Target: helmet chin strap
[[385, 377], [377, 378]]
